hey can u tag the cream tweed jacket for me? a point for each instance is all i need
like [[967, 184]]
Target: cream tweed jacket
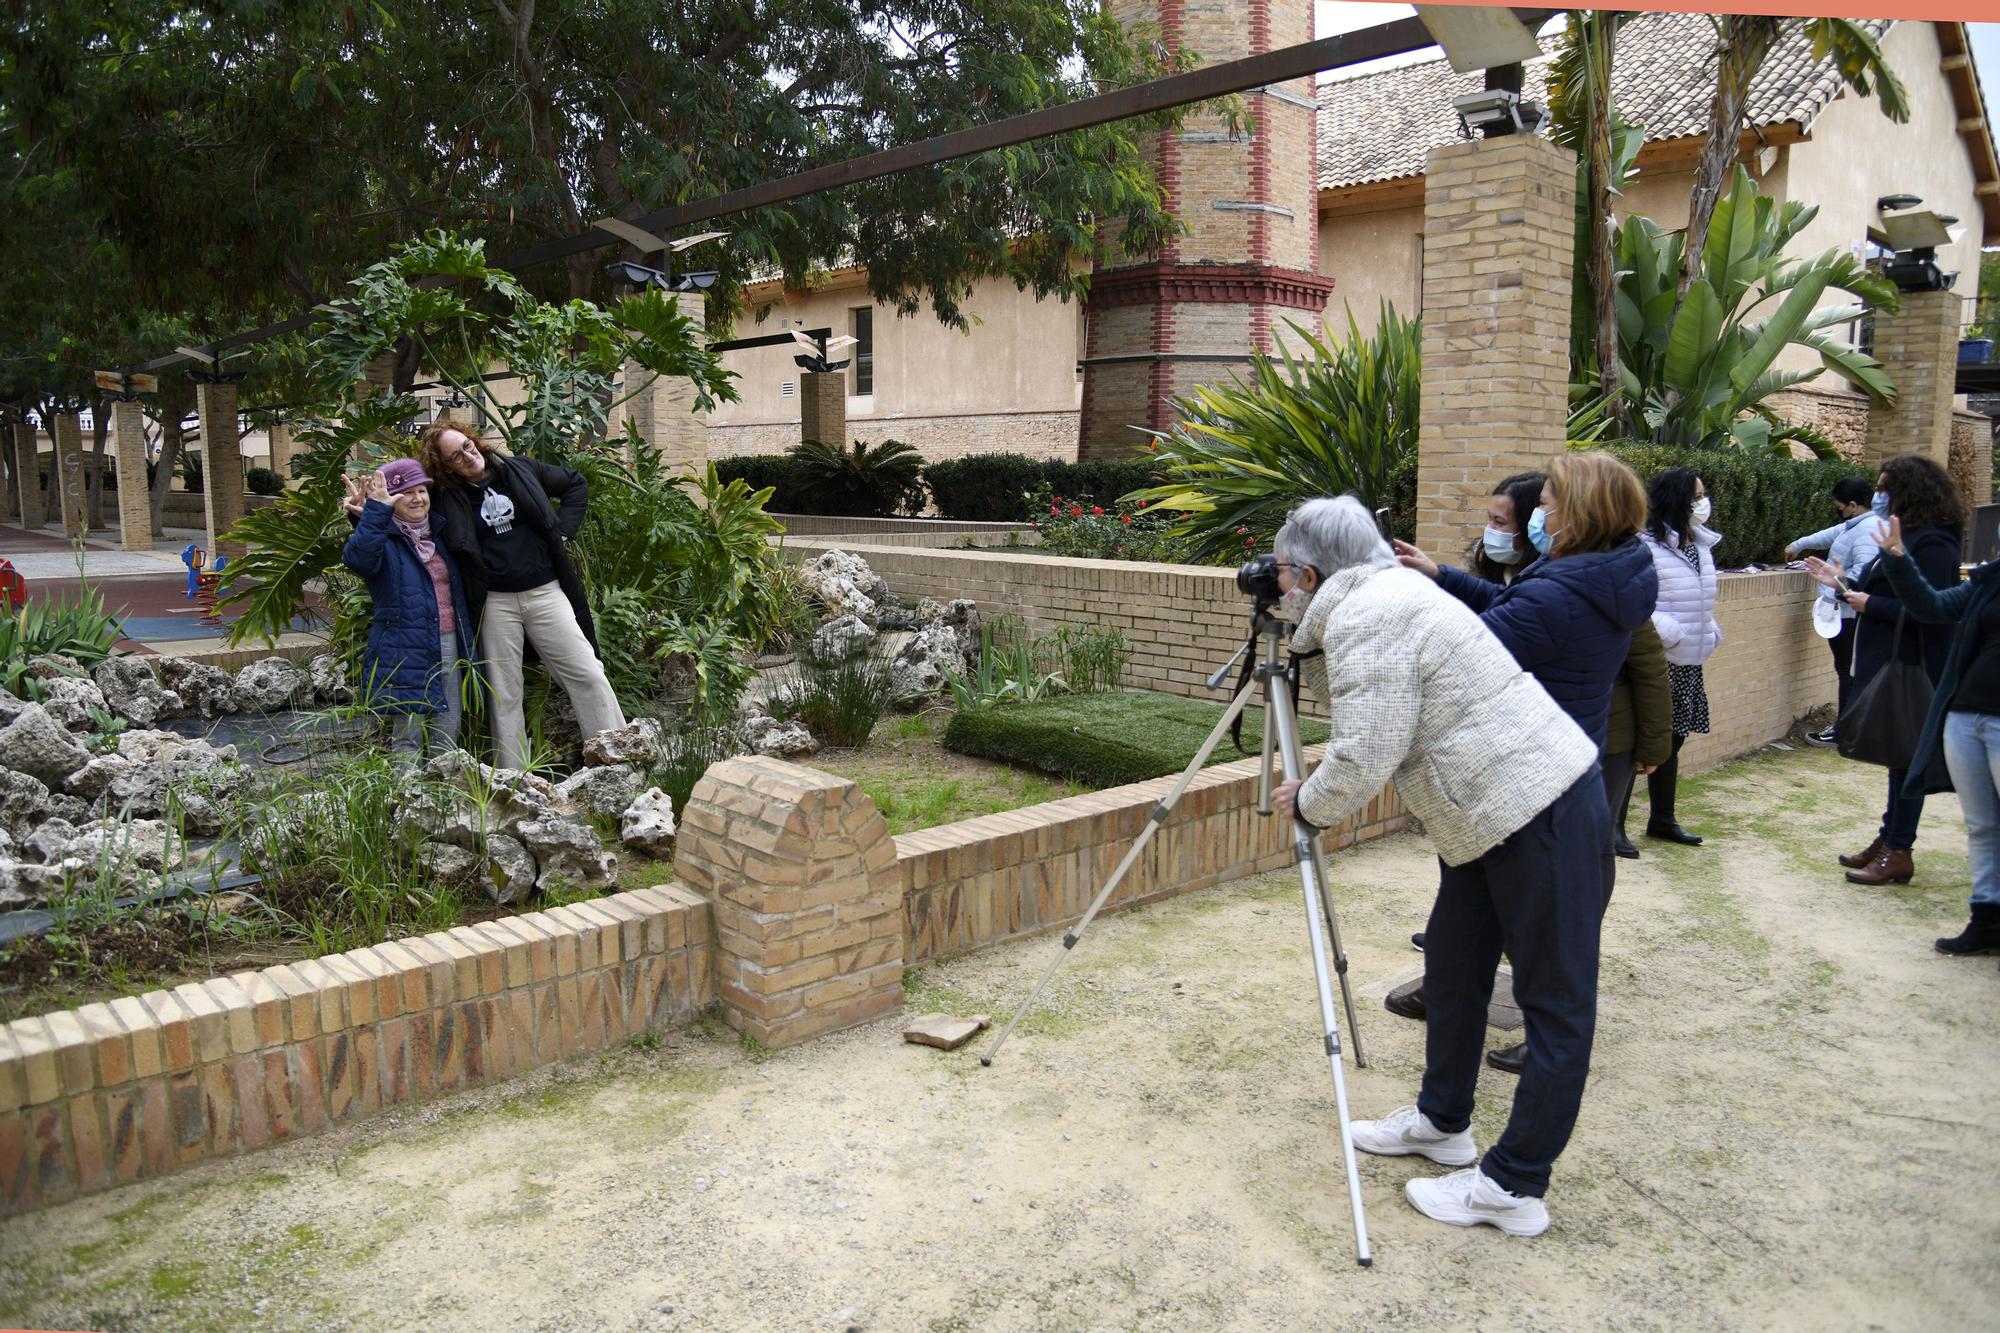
[[1419, 691]]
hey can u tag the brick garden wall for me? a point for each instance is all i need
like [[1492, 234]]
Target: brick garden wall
[[1182, 621], [114, 1093], [973, 884], [1050, 435]]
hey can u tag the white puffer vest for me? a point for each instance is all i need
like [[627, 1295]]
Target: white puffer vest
[[1685, 615]]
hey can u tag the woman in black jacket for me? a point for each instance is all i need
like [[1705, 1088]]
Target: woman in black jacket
[[508, 520], [1921, 496]]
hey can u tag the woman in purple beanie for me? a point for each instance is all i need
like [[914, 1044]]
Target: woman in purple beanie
[[421, 631]]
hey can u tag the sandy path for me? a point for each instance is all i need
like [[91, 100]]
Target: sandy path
[[1789, 1125]]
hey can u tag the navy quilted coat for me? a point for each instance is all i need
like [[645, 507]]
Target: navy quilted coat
[[1569, 622], [400, 667]]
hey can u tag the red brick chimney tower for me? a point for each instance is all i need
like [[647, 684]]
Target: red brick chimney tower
[[1250, 257]]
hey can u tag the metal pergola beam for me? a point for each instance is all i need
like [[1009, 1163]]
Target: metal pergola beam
[[1235, 76]]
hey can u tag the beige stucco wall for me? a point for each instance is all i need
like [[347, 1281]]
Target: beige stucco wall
[[1857, 154], [1019, 356], [1370, 257]]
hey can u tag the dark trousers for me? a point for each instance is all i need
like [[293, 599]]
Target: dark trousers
[[1619, 772], [1539, 896], [1843, 662], [1900, 815]]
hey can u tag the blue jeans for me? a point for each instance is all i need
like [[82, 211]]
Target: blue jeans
[[1540, 896], [1972, 753], [1900, 815]]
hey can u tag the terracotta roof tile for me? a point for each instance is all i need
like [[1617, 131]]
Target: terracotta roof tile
[[1382, 126]]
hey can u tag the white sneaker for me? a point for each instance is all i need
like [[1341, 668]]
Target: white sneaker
[[1406, 1132], [1468, 1198]]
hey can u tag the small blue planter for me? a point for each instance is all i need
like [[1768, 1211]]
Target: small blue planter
[[1974, 351]]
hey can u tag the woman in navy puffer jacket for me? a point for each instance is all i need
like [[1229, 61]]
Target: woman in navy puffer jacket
[[1568, 619], [421, 630]]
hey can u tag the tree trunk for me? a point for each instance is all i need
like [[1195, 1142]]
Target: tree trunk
[[100, 431], [163, 471], [1746, 39], [1601, 33]]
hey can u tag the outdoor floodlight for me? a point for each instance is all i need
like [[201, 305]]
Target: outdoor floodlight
[[696, 282], [1477, 37], [1895, 203], [1915, 237], [646, 243], [627, 273], [818, 356], [1496, 111]]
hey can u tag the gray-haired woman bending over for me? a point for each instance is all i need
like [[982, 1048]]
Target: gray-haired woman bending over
[[1507, 786]]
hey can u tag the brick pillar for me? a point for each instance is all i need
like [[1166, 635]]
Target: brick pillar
[[135, 508], [808, 903], [222, 464], [1918, 348], [1499, 225], [823, 407], [663, 409], [280, 435], [28, 461], [72, 495], [379, 375], [1156, 328]]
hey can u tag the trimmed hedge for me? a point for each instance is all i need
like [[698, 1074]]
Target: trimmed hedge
[[1105, 740], [1761, 503], [778, 471], [994, 488]]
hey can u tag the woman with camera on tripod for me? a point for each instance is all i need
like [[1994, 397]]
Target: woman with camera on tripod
[[1418, 691]]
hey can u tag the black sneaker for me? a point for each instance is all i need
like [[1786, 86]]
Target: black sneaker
[[1407, 1000], [1824, 737], [1417, 941]]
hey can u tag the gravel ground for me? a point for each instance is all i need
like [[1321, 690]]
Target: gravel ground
[[1788, 1126]]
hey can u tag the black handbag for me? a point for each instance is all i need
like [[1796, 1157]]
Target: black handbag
[[1884, 719]]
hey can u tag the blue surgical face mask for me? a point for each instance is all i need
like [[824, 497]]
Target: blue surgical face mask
[[1880, 504], [1539, 535], [1501, 548]]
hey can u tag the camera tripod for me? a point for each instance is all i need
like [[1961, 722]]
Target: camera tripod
[[1275, 678]]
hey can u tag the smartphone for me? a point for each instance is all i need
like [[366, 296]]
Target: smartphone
[[1382, 522]]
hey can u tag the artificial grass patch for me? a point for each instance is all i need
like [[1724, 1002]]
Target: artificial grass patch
[[1106, 740]]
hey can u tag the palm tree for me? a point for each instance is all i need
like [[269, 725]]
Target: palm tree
[[1743, 41], [1586, 122]]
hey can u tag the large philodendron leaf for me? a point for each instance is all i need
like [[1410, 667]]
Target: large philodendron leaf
[[1693, 338], [1789, 323], [1852, 364]]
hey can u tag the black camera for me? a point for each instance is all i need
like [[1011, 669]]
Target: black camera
[[1258, 577]]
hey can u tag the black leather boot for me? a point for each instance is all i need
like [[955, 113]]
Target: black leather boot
[[1981, 934]]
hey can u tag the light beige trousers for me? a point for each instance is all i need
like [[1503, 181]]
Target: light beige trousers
[[541, 616]]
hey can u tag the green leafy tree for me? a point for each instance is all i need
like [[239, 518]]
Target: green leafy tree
[[1338, 417], [563, 355]]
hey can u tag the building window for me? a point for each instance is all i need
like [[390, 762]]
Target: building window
[[861, 323]]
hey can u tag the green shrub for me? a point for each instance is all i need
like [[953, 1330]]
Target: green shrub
[[263, 481], [73, 624], [840, 700], [1091, 531], [1105, 740], [862, 481], [777, 471], [986, 488], [1762, 501], [1093, 659], [1337, 417], [999, 488]]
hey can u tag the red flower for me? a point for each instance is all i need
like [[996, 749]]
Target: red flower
[[1241, 531], [1249, 541], [1054, 510], [1121, 550], [1097, 509], [1075, 512], [1125, 518], [1142, 504]]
